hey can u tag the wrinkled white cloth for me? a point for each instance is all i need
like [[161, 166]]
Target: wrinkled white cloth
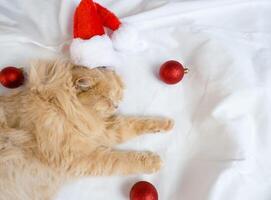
[[221, 145]]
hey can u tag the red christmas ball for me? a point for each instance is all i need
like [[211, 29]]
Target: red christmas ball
[[143, 190], [11, 77], [172, 72]]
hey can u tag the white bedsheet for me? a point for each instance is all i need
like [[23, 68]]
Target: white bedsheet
[[221, 145]]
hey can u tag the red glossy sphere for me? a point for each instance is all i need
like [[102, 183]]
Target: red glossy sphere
[[143, 190], [171, 72], [11, 77]]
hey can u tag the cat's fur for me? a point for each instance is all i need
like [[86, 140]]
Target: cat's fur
[[62, 126]]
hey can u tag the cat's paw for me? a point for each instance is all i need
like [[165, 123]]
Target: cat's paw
[[151, 162], [163, 124]]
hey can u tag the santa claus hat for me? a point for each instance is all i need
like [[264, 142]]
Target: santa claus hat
[[90, 18], [91, 46]]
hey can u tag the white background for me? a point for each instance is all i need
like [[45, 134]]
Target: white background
[[221, 145]]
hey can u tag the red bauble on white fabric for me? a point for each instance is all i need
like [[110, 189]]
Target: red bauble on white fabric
[[11, 77]]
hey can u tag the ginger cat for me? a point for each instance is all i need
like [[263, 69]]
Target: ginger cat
[[62, 125]]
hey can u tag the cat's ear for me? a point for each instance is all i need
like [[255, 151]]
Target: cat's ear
[[83, 84]]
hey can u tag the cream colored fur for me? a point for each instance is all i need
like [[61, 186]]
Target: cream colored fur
[[63, 126]]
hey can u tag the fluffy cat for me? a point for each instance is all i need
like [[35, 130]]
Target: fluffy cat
[[62, 125]]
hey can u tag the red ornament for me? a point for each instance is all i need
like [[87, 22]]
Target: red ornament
[[143, 190], [172, 72], [11, 77]]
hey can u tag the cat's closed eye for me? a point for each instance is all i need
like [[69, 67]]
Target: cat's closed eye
[[83, 84]]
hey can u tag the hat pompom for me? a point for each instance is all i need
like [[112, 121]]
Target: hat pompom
[[127, 38]]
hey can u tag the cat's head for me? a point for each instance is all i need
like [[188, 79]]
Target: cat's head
[[99, 89]]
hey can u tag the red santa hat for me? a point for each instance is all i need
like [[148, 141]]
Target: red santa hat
[[90, 18], [91, 46]]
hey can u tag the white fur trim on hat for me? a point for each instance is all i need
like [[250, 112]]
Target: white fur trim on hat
[[97, 51], [127, 38]]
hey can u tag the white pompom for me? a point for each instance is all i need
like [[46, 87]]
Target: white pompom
[[127, 38], [97, 51]]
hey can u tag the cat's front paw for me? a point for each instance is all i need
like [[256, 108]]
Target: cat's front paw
[[151, 162], [163, 124]]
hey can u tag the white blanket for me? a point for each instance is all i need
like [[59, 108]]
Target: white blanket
[[221, 145]]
